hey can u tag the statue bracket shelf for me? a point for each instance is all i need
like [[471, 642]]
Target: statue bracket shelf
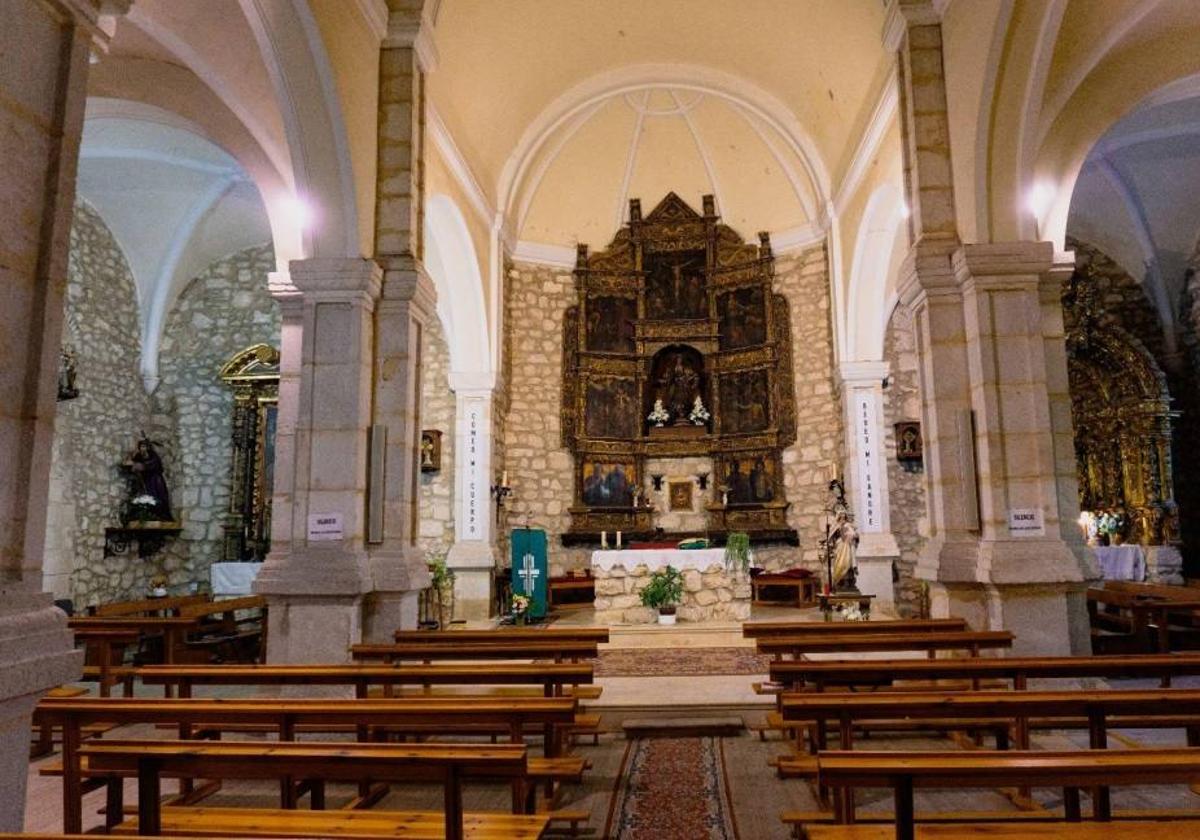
[[149, 536]]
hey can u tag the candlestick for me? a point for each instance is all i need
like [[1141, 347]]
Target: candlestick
[[604, 539], [618, 539], [504, 479]]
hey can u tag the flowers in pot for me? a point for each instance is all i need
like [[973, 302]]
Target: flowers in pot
[[142, 508], [520, 607], [663, 592], [659, 415], [700, 414]]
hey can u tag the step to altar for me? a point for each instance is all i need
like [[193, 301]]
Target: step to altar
[[688, 727]]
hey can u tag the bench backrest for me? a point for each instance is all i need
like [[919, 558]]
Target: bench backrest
[[548, 673], [548, 634], [247, 602], [1158, 590], [886, 642], [475, 650], [148, 606], [763, 629]]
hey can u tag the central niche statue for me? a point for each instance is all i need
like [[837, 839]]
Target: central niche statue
[[680, 387]]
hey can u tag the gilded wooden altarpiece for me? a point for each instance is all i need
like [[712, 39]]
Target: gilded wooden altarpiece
[[253, 376], [678, 307]]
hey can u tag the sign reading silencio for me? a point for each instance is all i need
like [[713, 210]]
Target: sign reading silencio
[[324, 526], [1026, 522]]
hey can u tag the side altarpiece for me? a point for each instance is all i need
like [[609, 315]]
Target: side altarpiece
[[680, 312]]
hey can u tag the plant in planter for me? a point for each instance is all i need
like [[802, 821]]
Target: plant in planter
[[738, 555], [520, 608], [663, 592], [443, 588]]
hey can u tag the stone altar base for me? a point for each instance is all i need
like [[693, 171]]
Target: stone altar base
[[709, 595]]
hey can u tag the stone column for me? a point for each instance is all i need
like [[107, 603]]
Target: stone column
[[473, 555], [866, 477], [317, 573], [41, 123], [1003, 550], [397, 566]]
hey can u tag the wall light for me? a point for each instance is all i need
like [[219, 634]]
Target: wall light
[[1039, 199], [905, 210], [299, 212]]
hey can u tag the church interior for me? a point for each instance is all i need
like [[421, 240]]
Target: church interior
[[623, 419]]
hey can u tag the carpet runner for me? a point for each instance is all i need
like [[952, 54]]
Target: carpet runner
[[677, 662], [669, 788]]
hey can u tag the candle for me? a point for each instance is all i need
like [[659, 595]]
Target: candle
[[504, 479], [618, 539], [604, 539]]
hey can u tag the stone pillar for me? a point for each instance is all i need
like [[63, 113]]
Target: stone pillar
[[41, 123], [866, 477], [473, 555], [317, 573], [397, 566], [1003, 550]]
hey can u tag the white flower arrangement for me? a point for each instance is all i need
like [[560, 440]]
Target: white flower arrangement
[[699, 415], [144, 500], [852, 612], [659, 415]]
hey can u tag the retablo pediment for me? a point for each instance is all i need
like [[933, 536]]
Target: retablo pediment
[[673, 209]]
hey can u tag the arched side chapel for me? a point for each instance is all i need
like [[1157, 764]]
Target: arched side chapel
[[917, 171]]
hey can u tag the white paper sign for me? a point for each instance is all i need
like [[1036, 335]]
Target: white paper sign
[[1026, 522], [866, 432], [475, 490], [324, 526]]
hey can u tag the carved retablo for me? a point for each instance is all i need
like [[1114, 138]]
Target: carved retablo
[[678, 347]]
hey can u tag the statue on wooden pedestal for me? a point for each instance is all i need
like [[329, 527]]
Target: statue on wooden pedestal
[[147, 480]]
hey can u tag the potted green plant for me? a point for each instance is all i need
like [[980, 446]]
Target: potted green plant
[[443, 588], [738, 555], [663, 592]]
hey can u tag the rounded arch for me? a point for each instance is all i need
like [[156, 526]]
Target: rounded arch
[[453, 266], [870, 294], [582, 99], [303, 78]]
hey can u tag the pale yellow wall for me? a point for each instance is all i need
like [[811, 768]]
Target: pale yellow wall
[[438, 179], [354, 55]]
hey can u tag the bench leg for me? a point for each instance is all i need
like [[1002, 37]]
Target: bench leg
[[149, 799], [1071, 804], [905, 816], [114, 802], [454, 809]]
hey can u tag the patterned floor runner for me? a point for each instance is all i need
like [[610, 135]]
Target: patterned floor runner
[[672, 788], [676, 662]]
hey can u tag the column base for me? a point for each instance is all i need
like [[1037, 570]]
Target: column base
[[37, 652], [474, 566], [875, 578], [387, 612], [1048, 619], [397, 578], [1164, 564]]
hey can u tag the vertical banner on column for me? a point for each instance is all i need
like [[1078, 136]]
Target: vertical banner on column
[[475, 487], [868, 455]]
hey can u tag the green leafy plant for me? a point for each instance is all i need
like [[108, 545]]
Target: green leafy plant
[[737, 552], [664, 590], [443, 575]]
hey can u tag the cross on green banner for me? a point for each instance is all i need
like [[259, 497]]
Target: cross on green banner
[[530, 570]]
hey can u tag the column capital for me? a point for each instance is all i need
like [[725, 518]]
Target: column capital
[[408, 27], [903, 14], [928, 269], [1003, 259], [349, 280], [470, 383], [864, 373], [285, 293], [405, 279]]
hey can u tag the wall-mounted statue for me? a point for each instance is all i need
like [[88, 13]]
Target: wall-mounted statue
[[147, 481]]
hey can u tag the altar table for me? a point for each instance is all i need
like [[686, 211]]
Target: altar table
[[659, 558], [1121, 562]]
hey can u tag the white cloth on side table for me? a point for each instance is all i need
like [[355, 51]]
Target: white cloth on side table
[[658, 558], [1121, 562], [233, 578]]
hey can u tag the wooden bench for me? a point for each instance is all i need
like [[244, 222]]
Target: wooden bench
[[317, 763], [971, 641], [906, 771], [286, 717], [168, 606], [1009, 831], [761, 629], [104, 651], [552, 677], [804, 589], [172, 630], [582, 584], [557, 651], [222, 634], [817, 675], [599, 635], [1142, 618]]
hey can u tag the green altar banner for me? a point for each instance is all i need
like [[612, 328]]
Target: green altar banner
[[530, 569]]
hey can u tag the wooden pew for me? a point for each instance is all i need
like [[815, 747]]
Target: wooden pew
[[762, 629], [906, 771], [172, 629], [149, 607], [448, 764], [222, 633], [104, 653], [971, 641], [1145, 613], [286, 717], [599, 635], [552, 677], [1008, 831], [555, 651], [817, 675]]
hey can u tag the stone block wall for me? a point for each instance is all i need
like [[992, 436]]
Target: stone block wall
[[436, 492], [225, 309], [541, 470], [708, 595], [96, 430], [906, 485]]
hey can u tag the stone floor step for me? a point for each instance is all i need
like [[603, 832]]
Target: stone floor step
[[683, 728]]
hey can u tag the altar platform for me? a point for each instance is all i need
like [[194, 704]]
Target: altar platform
[[710, 592]]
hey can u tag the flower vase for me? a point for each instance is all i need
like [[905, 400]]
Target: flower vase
[[519, 619]]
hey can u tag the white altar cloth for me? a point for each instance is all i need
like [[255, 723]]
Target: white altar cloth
[[658, 558], [1121, 562], [233, 578]]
